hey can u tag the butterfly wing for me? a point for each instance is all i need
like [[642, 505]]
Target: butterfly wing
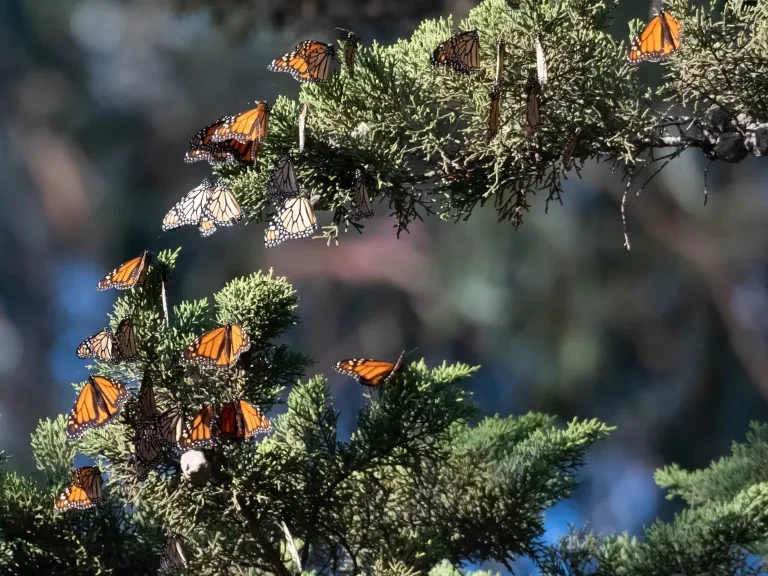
[[658, 40], [272, 236], [127, 275], [173, 556], [190, 209], [494, 113], [541, 63], [201, 144], [229, 424], [460, 53], [126, 339], [83, 492], [199, 434], [373, 373], [223, 208], [245, 126], [351, 43], [220, 347], [292, 548], [102, 345], [532, 107], [147, 407], [282, 183], [309, 62], [253, 420], [303, 125], [233, 152], [149, 450], [170, 427], [361, 198], [296, 219]]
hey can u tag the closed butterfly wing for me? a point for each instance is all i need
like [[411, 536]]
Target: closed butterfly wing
[[660, 39], [494, 113], [173, 557], [149, 450], [201, 144], [272, 236], [223, 208], [126, 340], [460, 53], [351, 44], [128, 275], [570, 149], [84, 490], [303, 125], [245, 126], [309, 62], [171, 427], [199, 434], [282, 184], [103, 345], [220, 348], [147, 408], [361, 198], [542, 75], [372, 373], [296, 219], [97, 405], [190, 209], [234, 152], [532, 106]]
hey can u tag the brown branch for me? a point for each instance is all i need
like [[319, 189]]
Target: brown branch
[[261, 540]]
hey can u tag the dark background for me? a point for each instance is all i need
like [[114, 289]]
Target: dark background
[[97, 103]]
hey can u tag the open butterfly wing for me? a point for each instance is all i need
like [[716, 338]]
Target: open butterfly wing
[[659, 39], [372, 373], [199, 434], [127, 275], [245, 126], [309, 62], [96, 406], [102, 345], [84, 490], [190, 209], [253, 420], [220, 347]]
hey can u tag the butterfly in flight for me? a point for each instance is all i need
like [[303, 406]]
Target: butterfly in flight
[[128, 275], [112, 347], [97, 405], [659, 39], [371, 373], [173, 556], [361, 197], [460, 53], [84, 491], [309, 62], [351, 44], [220, 347], [207, 206], [241, 420], [199, 434]]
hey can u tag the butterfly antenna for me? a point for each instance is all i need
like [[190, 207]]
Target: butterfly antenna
[[411, 351]]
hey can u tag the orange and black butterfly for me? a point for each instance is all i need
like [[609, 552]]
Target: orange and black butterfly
[[109, 346], [351, 44], [309, 62], [220, 348], [244, 126], [241, 420], [149, 449], [170, 427], [128, 275], [373, 373], [203, 147], [532, 105], [83, 492], [460, 53], [494, 113], [361, 197], [199, 434], [658, 40], [97, 405]]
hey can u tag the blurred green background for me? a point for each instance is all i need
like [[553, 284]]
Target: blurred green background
[[98, 100]]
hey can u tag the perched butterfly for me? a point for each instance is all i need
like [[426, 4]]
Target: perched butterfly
[[494, 113], [243, 127], [170, 427], [84, 490], [295, 220], [207, 206], [351, 44], [272, 236], [514, 4], [361, 198], [221, 347], [374, 373], [147, 408], [659, 39], [571, 146], [96, 406], [303, 125], [282, 183], [460, 53], [309, 62], [232, 151], [149, 449], [541, 63], [202, 147], [292, 548], [173, 556], [199, 434], [240, 420], [110, 347], [532, 106], [127, 275]]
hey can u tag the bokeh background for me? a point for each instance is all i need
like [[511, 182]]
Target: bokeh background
[[98, 100]]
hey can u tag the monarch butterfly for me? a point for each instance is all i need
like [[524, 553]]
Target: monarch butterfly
[[107, 346], [126, 340], [173, 556], [96, 406], [361, 199], [309, 62], [202, 147], [296, 219], [533, 106], [206, 206], [514, 4], [84, 490], [147, 407], [149, 449], [240, 420], [460, 53], [541, 62], [303, 125], [373, 373], [659, 39], [127, 275], [282, 183], [199, 434], [272, 236], [292, 548], [351, 43], [221, 347], [243, 127], [494, 113], [170, 427], [571, 145], [500, 53], [223, 208]]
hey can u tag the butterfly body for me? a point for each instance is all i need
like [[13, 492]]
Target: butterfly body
[[660, 39], [368, 372], [83, 492]]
